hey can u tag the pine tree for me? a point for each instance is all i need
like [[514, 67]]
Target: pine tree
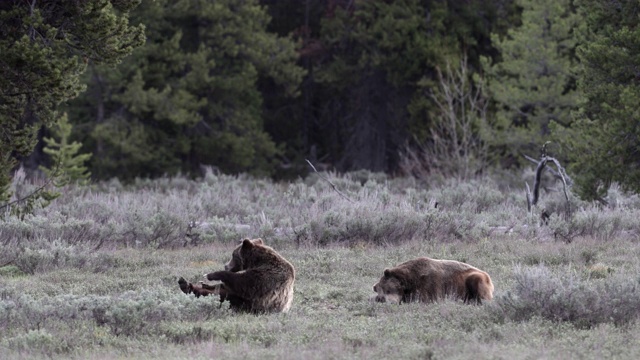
[[66, 164], [190, 96], [533, 85], [605, 142], [45, 46]]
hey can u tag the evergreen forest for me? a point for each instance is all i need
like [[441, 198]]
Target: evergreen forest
[[128, 89]]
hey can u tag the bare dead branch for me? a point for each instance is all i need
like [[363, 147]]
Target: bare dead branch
[[455, 147], [564, 183], [36, 191], [536, 183], [330, 183], [532, 201], [553, 172], [529, 197]]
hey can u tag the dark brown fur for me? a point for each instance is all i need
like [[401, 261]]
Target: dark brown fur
[[202, 289], [257, 279], [428, 280]]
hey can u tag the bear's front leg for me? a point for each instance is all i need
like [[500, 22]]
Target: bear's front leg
[[218, 275], [198, 289]]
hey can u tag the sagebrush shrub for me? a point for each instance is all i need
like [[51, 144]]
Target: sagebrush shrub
[[176, 212], [568, 298], [35, 339]]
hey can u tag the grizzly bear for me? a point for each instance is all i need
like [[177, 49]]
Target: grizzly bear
[[257, 279], [428, 280]]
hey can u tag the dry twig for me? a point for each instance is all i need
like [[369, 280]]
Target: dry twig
[[330, 183]]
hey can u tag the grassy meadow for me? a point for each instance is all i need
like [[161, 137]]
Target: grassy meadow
[[94, 275]]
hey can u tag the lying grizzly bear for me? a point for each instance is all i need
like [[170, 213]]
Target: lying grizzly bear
[[428, 280], [257, 279]]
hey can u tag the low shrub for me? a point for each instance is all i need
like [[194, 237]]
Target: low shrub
[[569, 298]]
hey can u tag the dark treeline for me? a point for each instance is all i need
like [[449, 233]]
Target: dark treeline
[[414, 87], [258, 87]]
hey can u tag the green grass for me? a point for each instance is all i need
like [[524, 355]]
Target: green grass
[[94, 275]]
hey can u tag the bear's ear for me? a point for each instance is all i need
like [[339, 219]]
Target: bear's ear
[[398, 273], [247, 244], [258, 241]]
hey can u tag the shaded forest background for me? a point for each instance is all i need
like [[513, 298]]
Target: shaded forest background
[[130, 89]]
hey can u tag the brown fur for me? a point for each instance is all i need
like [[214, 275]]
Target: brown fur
[[202, 289], [428, 280], [257, 279]]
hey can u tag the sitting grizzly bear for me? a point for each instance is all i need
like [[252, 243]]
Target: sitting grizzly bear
[[428, 280], [257, 279]]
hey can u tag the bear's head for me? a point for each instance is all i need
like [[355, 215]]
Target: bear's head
[[392, 287], [240, 257]]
